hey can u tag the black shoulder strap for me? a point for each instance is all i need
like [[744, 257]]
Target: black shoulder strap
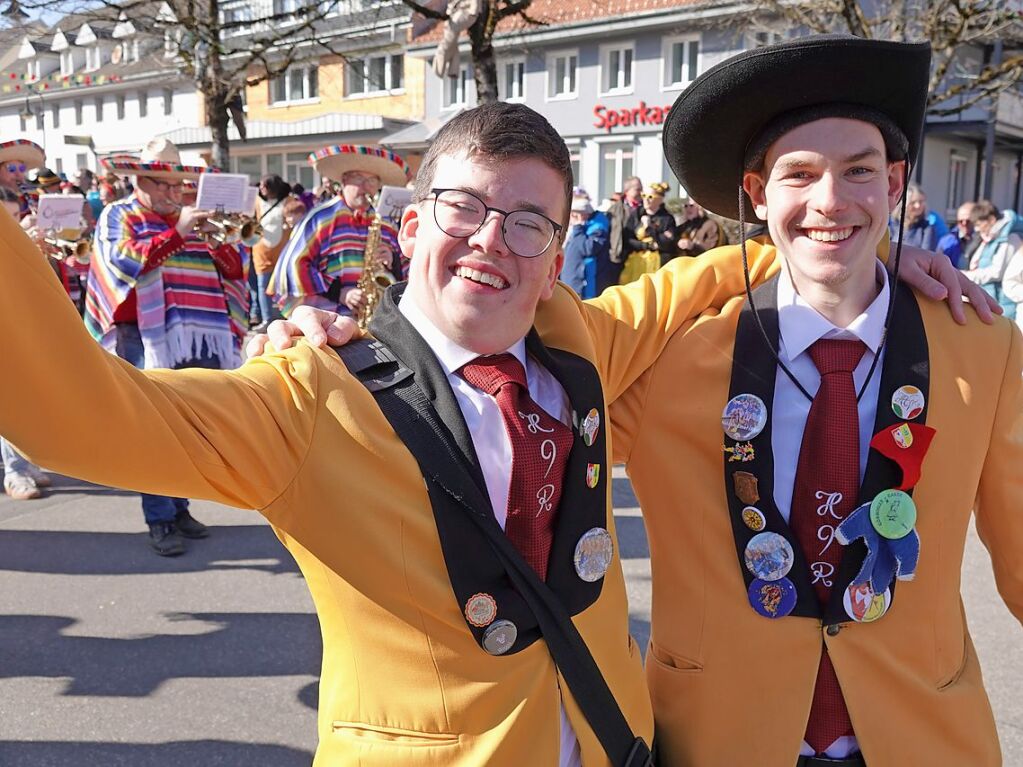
[[405, 406]]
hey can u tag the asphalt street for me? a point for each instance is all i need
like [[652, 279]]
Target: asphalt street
[[110, 655]]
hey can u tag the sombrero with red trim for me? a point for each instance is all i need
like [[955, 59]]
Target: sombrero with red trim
[[334, 161], [22, 150], [159, 159]]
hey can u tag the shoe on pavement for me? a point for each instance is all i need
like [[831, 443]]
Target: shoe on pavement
[[40, 477], [21, 487], [189, 526], [165, 539]]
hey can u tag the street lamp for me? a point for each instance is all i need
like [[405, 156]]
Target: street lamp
[[26, 113]]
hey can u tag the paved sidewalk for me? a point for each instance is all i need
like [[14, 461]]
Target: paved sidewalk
[[212, 658]]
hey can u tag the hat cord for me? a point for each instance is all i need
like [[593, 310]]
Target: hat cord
[[891, 301]]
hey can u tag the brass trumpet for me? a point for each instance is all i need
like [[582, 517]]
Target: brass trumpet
[[66, 244], [230, 229]]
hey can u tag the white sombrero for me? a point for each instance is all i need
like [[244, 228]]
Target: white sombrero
[[334, 161], [22, 150], [159, 159]]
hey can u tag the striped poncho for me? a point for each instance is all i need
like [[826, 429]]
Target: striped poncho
[[327, 245], [184, 303]]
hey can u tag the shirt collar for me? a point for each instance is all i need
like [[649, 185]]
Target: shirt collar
[[451, 356], [800, 325]]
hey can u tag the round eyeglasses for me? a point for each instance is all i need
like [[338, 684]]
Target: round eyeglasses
[[458, 213]]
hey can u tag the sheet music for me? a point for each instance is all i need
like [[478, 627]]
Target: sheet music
[[393, 201], [250, 200], [223, 191], [58, 211]]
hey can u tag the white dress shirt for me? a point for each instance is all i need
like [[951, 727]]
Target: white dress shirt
[[489, 438], [799, 326]]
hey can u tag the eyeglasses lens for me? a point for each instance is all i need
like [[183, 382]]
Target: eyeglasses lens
[[460, 214]]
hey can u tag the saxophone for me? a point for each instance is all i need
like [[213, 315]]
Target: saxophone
[[374, 278]]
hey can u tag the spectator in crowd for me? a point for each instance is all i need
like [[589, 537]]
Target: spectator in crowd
[[655, 242], [624, 215], [162, 295], [22, 478], [273, 192], [86, 181], [998, 244], [308, 198], [698, 232], [587, 247], [923, 227]]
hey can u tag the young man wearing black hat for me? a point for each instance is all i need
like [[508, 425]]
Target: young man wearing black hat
[[778, 637]]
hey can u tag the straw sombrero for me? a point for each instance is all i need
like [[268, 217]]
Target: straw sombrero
[[159, 159], [334, 161], [22, 150]]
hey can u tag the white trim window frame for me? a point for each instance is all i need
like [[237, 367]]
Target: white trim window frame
[[378, 75], [512, 79], [303, 79], [562, 75], [454, 90], [617, 69], [93, 58], [681, 61], [67, 63]]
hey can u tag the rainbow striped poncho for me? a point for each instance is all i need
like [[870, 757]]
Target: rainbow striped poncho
[[183, 304], [326, 246]]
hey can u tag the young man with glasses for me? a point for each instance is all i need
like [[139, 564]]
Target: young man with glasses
[[160, 295], [325, 257]]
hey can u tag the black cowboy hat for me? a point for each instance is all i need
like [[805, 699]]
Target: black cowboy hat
[[717, 127]]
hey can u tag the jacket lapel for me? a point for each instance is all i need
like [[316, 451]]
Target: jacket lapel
[[754, 369]]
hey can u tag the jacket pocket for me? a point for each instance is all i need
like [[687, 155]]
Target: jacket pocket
[[676, 664], [378, 734]]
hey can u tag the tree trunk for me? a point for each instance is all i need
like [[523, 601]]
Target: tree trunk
[[217, 115], [481, 35]]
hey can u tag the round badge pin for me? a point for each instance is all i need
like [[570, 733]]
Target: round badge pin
[[754, 518], [769, 556], [593, 554], [908, 402], [480, 610], [590, 426], [893, 514], [863, 605], [744, 417], [499, 637], [772, 599]]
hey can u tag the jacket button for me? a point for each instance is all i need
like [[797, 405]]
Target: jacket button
[[833, 629]]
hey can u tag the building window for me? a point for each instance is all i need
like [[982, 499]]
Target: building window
[[561, 75], [297, 168], [615, 166], [143, 98], [24, 123], [616, 69], [957, 165], [375, 75], [79, 108], [55, 115], [513, 80], [34, 69], [59, 166], [82, 160], [39, 118], [295, 84], [93, 58], [168, 101], [99, 109], [455, 89], [67, 63], [575, 159], [763, 38], [681, 61], [119, 99], [251, 165]]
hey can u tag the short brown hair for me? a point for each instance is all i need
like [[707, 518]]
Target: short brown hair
[[293, 206], [498, 131], [982, 210]]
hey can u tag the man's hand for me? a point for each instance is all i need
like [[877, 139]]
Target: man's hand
[[319, 327], [934, 276], [384, 256], [189, 217]]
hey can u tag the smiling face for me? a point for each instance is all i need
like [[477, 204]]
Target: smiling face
[[477, 292], [826, 191]]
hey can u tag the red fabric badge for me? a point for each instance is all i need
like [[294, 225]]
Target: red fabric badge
[[906, 444]]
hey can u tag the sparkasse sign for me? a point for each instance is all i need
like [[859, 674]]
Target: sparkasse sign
[[609, 119]]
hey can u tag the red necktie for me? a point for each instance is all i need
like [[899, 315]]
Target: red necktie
[[825, 491], [540, 446]]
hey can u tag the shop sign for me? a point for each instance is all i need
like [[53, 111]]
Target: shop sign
[[609, 119]]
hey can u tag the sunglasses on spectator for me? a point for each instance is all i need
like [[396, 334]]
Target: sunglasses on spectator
[[16, 167]]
